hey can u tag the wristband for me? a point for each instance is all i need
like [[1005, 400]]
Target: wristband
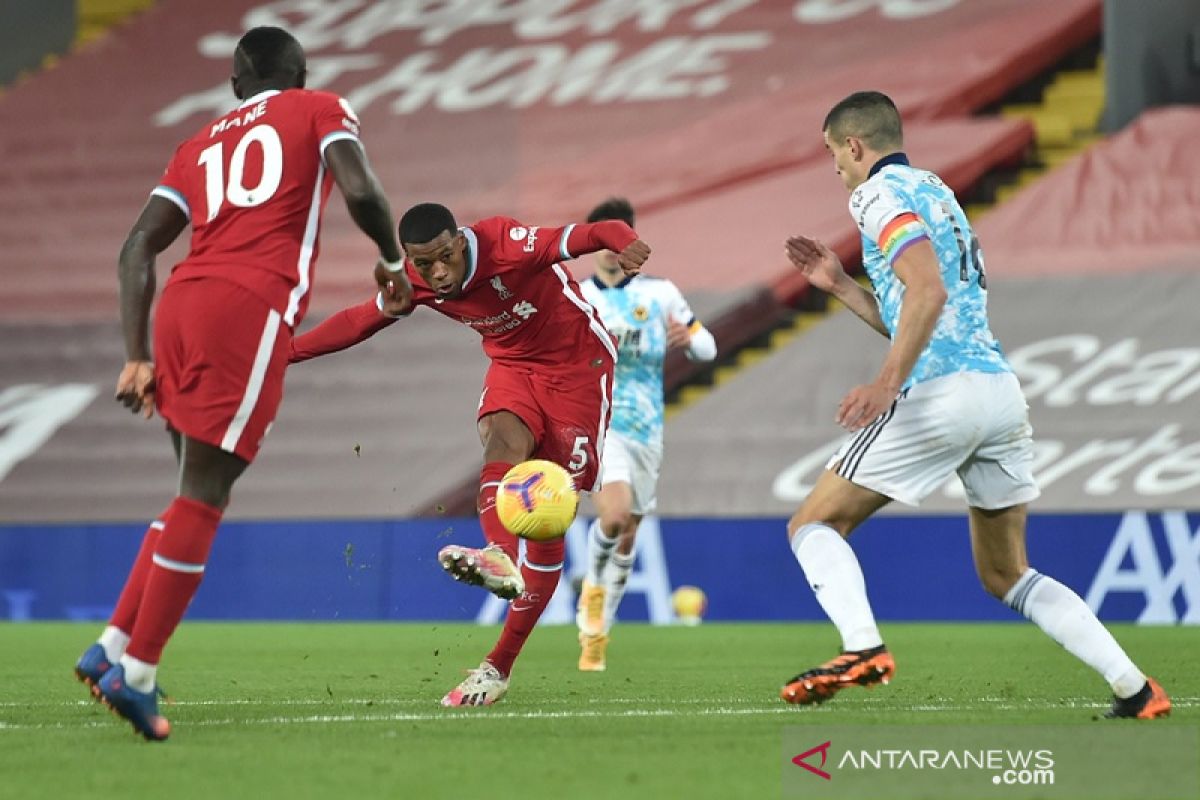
[[392, 266]]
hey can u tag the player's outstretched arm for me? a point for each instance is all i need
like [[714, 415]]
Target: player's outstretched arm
[[159, 224], [824, 271], [369, 208], [344, 329], [610, 234]]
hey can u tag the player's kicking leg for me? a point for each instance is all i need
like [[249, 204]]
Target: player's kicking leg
[[817, 531], [998, 544]]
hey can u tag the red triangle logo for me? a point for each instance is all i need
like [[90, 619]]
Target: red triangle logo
[[823, 749]]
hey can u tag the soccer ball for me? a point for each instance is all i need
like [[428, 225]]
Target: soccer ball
[[537, 500], [689, 603]]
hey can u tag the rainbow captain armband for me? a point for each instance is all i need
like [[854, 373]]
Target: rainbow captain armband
[[903, 231]]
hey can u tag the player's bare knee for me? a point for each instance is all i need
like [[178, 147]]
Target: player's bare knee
[[614, 523], [997, 581]]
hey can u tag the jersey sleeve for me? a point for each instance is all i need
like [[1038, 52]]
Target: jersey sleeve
[[703, 346], [172, 185], [531, 245], [885, 218], [333, 120]]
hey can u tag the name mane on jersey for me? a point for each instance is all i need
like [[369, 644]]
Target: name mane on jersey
[[240, 120]]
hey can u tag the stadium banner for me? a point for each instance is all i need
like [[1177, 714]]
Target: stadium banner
[[1138, 566]]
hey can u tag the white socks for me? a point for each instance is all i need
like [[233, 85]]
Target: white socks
[[615, 578], [836, 579], [1066, 619], [114, 641], [139, 674], [600, 549]]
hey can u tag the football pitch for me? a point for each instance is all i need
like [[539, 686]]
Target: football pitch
[[351, 710]]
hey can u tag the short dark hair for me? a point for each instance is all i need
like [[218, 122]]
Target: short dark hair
[[270, 52], [870, 116], [613, 208], [425, 222]]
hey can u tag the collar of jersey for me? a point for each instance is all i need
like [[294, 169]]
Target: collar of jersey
[[258, 98], [601, 285], [887, 161], [473, 243]]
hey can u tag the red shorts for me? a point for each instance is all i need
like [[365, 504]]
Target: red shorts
[[567, 411], [220, 354]]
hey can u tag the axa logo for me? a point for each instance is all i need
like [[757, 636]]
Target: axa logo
[[801, 760]]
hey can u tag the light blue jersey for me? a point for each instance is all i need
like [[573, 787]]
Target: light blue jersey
[[636, 312], [897, 206]]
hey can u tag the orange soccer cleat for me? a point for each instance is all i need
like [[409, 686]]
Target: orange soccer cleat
[[857, 668]]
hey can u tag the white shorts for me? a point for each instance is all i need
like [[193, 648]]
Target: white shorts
[[627, 461], [975, 424]]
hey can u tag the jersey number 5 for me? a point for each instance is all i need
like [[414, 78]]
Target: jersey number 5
[[216, 189]]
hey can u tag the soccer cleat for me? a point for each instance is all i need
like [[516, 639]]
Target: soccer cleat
[[91, 666], [857, 668], [140, 708], [483, 686], [591, 656], [1149, 703], [490, 568], [589, 613]]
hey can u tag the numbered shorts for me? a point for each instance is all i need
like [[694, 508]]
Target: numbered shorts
[[974, 424], [637, 464], [567, 410], [220, 353]]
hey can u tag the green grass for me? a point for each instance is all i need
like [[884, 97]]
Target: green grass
[[350, 710]]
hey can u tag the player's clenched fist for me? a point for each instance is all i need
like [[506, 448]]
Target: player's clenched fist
[[633, 256], [135, 387]]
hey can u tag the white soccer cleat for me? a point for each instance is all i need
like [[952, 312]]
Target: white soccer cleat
[[488, 567], [483, 686]]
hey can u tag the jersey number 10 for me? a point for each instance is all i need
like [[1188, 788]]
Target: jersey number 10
[[969, 255], [217, 190]]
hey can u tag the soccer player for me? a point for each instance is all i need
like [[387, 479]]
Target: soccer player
[[648, 316], [546, 394], [253, 184], [945, 401]]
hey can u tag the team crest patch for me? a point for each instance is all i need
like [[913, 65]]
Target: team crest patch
[[501, 290], [641, 313]]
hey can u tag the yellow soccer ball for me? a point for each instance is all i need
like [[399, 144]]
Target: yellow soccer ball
[[689, 603], [537, 500]]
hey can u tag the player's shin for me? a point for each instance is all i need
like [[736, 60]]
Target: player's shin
[[176, 570], [616, 577], [541, 570], [493, 530], [837, 580], [600, 550], [1066, 619], [115, 637]]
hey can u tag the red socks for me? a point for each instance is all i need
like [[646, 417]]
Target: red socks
[[125, 614], [541, 570], [173, 576], [493, 530]]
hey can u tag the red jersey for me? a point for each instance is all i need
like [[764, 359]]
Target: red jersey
[[253, 185], [519, 297]]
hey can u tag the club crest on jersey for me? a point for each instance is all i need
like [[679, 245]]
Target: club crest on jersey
[[501, 290], [641, 313]]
